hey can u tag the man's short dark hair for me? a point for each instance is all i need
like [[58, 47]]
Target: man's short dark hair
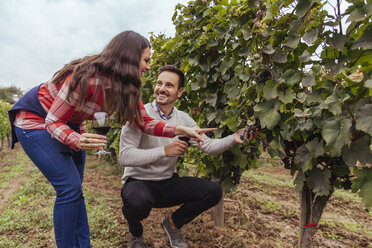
[[172, 68]]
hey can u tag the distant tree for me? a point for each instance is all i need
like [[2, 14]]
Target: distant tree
[[10, 94]]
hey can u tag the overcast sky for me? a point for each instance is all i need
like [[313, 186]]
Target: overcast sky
[[37, 37]]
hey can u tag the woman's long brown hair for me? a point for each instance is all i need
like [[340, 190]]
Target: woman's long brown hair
[[120, 60]]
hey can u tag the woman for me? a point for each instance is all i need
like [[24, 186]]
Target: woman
[[49, 123]]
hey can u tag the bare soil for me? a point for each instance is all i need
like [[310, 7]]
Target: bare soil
[[257, 214]]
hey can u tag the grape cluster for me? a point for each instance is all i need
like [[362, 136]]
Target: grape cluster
[[263, 76], [236, 174], [329, 161], [346, 183], [289, 149], [287, 163], [257, 124]]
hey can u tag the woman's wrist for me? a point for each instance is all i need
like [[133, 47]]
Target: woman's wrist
[[179, 130]]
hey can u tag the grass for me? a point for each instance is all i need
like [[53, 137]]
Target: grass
[[27, 219]]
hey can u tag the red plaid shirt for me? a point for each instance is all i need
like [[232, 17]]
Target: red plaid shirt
[[60, 111]]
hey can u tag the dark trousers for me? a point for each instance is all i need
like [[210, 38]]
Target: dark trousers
[[195, 194]]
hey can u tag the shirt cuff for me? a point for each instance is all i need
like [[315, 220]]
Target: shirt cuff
[[169, 130]]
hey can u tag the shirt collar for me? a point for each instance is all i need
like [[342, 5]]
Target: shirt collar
[[154, 105]]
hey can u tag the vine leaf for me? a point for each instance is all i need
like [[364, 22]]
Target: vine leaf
[[338, 41], [357, 152], [299, 182], [363, 184], [269, 90], [366, 194], [311, 36], [336, 133], [304, 158], [302, 7], [319, 181], [364, 41], [356, 15], [268, 113], [315, 147], [364, 119], [290, 76]]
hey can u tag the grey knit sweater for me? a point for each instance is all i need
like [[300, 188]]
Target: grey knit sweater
[[143, 155]]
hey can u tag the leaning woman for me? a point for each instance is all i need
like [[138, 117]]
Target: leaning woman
[[48, 121]]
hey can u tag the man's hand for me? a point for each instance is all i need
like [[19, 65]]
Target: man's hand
[[242, 133], [176, 148]]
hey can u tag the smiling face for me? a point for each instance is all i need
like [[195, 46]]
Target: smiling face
[[145, 60], [166, 90]]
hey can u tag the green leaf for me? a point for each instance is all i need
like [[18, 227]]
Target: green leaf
[[364, 119], [193, 61], [302, 7], [270, 91], [280, 56], [314, 97], [246, 34], [299, 182], [290, 76], [268, 113], [195, 86], [336, 133], [319, 181], [315, 147], [292, 42], [286, 96], [369, 9], [205, 67], [308, 80], [368, 83], [269, 50], [304, 158], [311, 36], [225, 65], [244, 52], [357, 152], [338, 41], [362, 183], [211, 99], [211, 116], [366, 194], [228, 185], [365, 41], [305, 56], [356, 15], [232, 123]]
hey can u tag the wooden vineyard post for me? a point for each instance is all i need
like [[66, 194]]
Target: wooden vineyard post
[[218, 211]]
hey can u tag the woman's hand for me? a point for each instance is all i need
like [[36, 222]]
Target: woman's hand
[[195, 134], [91, 141]]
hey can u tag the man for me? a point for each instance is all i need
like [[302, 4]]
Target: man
[[149, 180]]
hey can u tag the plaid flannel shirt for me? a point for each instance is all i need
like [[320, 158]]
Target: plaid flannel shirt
[[60, 111]]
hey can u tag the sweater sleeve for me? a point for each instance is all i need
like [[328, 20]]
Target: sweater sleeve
[[211, 146], [155, 127], [129, 153]]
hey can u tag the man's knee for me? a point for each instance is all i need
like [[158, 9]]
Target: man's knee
[[138, 204]]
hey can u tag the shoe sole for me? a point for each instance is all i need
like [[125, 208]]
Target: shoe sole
[[166, 232]]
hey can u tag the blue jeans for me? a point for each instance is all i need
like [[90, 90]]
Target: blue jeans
[[69, 216]]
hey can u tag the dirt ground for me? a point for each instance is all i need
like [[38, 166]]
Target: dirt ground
[[258, 214], [263, 212]]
